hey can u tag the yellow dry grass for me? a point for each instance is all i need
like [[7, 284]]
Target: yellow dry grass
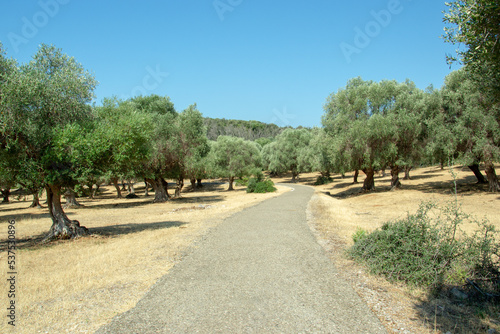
[[338, 209], [77, 286], [347, 209]]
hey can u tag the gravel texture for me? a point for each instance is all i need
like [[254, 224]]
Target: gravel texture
[[260, 271]]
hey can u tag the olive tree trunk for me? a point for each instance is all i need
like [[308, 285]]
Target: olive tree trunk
[[160, 187], [493, 185], [178, 187], [71, 201], [5, 195], [479, 176], [407, 172], [231, 181], [369, 183], [62, 227], [294, 176], [395, 183], [146, 191], [356, 174], [199, 184], [36, 199], [117, 187]]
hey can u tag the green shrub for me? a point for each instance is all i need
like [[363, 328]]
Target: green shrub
[[242, 181], [359, 235], [323, 180], [427, 249], [256, 186]]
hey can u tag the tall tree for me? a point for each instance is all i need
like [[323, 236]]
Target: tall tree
[[234, 157], [38, 100], [283, 154], [474, 124], [315, 156], [191, 146], [374, 126], [475, 24], [162, 156], [128, 131]]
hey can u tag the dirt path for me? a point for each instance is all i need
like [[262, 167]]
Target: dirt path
[[261, 271]]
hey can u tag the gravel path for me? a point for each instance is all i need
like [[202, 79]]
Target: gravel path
[[260, 271]]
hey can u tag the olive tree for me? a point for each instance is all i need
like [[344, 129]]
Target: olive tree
[[283, 154], [374, 126], [475, 24], [474, 124], [38, 100], [234, 157]]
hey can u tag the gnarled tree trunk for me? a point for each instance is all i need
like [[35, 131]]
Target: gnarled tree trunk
[[146, 190], [407, 172], [294, 176], [493, 185], [199, 184], [71, 201], [395, 184], [5, 195], [231, 181], [62, 227], [36, 199], [160, 187], [479, 176], [131, 189], [369, 183], [178, 187], [193, 183], [117, 187], [356, 174]]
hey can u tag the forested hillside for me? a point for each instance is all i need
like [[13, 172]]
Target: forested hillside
[[249, 130]]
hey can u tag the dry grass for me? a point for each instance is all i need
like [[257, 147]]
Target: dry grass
[[338, 209], [77, 286]]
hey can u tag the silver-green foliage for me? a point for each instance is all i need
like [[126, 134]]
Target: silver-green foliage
[[429, 249]]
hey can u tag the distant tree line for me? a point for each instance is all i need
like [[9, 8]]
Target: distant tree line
[[249, 130]]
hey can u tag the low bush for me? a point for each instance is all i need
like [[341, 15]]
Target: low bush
[[429, 249], [320, 180], [264, 186]]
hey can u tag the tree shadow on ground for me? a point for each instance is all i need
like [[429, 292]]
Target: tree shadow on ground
[[122, 229], [4, 209], [104, 231], [466, 186], [31, 215], [449, 312]]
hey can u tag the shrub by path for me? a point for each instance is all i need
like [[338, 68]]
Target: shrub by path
[[261, 271]]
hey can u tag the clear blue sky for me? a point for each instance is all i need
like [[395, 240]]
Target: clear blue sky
[[271, 61]]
